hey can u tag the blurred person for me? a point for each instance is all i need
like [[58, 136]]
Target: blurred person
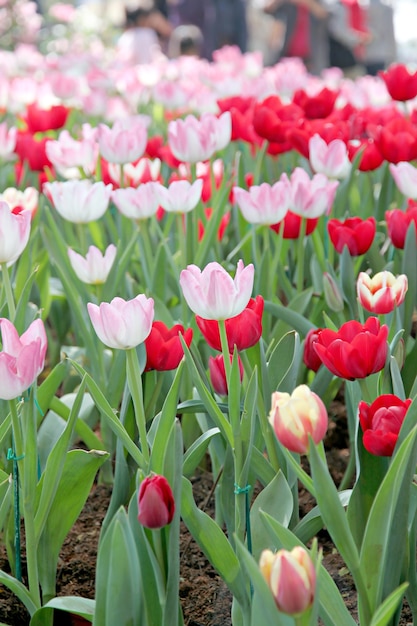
[[145, 29], [185, 40], [305, 23], [230, 28], [349, 35], [381, 50]]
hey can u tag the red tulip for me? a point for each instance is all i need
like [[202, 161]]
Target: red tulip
[[292, 226], [41, 120], [355, 350], [381, 422], [310, 357], [164, 350], [355, 233], [370, 159], [218, 373], [33, 151], [398, 223], [318, 106], [156, 505], [243, 330], [397, 140], [400, 82]]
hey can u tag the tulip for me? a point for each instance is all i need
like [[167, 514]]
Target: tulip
[[213, 294], [397, 140], [8, 137], [400, 82], [398, 223], [181, 196], [41, 120], [19, 201], [331, 159], [95, 267], [156, 504], [79, 201], [292, 226], [310, 357], [311, 198], [291, 576], [382, 293], [405, 177], [222, 226], [122, 324], [264, 204], [32, 151], [297, 416], [355, 233], [317, 106], [66, 152], [381, 423], [22, 358], [243, 330], [14, 233], [125, 142], [218, 373], [140, 203], [332, 294], [164, 350], [192, 140], [355, 350]]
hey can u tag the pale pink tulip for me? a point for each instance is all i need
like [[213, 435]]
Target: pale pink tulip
[[311, 198], [291, 576], [139, 203], [79, 201], [14, 233], [125, 142], [193, 139], [181, 196], [22, 358], [19, 201], [405, 177], [8, 138], [145, 170], [213, 294], [294, 417], [66, 152], [265, 203], [382, 293], [94, 268], [122, 324], [331, 159]]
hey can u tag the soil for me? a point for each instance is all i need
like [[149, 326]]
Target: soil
[[205, 598]]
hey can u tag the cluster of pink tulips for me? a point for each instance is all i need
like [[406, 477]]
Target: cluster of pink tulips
[[194, 284]]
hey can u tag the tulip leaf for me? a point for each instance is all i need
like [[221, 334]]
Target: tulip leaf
[[215, 545], [386, 611], [383, 548], [19, 591], [312, 523], [6, 488], [197, 450], [291, 317], [46, 391], [261, 467], [84, 607], [348, 280]]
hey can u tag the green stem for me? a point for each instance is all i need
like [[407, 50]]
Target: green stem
[[225, 350], [134, 381], [300, 255], [9, 292]]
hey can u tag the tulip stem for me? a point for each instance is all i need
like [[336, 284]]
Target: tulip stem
[[9, 292], [225, 350], [300, 255], [134, 381]]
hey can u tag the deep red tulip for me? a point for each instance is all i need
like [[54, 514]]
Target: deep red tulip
[[400, 82], [381, 422], [397, 140], [318, 106], [355, 233], [310, 357], [355, 350], [164, 350], [370, 159], [33, 151], [243, 331], [292, 226], [272, 120], [398, 222], [156, 505], [41, 120], [218, 373]]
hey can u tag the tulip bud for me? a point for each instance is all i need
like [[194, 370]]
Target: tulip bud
[[156, 505], [332, 295], [291, 576], [218, 373], [294, 417]]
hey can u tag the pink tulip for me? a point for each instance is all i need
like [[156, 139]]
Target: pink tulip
[[291, 576], [311, 198], [264, 204], [14, 233], [294, 417], [143, 171], [22, 358], [405, 176], [139, 203], [66, 152], [122, 324], [19, 201], [193, 139], [213, 294], [95, 267], [79, 201], [382, 293], [125, 142], [331, 159], [8, 137], [181, 196], [156, 504]]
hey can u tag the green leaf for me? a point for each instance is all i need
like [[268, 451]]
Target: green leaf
[[291, 317], [284, 363], [197, 450], [70, 604], [19, 590], [312, 522], [386, 610]]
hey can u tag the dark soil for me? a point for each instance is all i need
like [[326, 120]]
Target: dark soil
[[205, 598]]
